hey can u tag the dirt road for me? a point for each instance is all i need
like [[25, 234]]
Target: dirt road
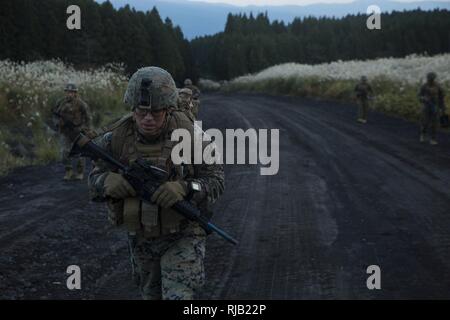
[[346, 196]]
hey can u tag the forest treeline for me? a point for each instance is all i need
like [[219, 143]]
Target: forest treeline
[[36, 30], [252, 43]]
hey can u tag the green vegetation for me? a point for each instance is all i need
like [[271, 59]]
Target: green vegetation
[[250, 44], [36, 30], [26, 100], [391, 97], [33, 30]]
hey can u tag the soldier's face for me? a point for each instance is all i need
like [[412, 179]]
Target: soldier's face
[[149, 123], [71, 94]]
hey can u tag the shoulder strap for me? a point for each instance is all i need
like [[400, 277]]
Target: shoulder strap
[[121, 130], [177, 120], [117, 123], [58, 105], [113, 125]]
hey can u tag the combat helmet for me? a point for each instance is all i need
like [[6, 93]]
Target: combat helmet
[[186, 92], [71, 87], [431, 76], [151, 88]]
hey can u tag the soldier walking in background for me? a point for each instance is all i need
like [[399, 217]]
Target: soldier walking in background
[[363, 92], [195, 96], [185, 103], [72, 115], [431, 96]]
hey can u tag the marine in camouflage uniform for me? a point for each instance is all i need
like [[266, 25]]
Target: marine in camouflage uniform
[[432, 97], [185, 103], [72, 115], [195, 96], [167, 250], [363, 92]]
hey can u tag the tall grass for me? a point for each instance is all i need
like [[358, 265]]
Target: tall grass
[[28, 92], [395, 82]]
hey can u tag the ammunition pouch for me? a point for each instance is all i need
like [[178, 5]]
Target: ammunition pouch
[[115, 211], [131, 214], [149, 219], [138, 216]]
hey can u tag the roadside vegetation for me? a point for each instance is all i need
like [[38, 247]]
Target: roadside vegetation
[[29, 91], [395, 82]]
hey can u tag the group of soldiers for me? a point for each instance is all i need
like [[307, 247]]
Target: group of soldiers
[[166, 249], [189, 100], [71, 114], [431, 96]]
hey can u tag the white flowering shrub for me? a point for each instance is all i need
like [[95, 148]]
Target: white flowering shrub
[[409, 70], [395, 81], [29, 91], [208, 85]]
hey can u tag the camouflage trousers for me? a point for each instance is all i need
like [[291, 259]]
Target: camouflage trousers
[[70, 162], [430, 119], [169, 267], [363, 107]]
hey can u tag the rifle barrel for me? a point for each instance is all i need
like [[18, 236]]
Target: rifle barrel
[[185, 208]]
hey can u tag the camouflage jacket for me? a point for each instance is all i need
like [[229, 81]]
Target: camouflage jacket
[[187, 107], [211, 177], [195, 91], [432, 95], [72, 112]]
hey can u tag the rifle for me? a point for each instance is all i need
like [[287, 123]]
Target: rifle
[[145, 179], [67, 123]]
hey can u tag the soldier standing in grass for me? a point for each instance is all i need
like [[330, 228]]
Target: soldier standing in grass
[[431, 96], [363, 92], [72, 117]]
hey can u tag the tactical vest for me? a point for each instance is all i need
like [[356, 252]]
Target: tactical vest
[[139, 217], [71, 109], [187, 108]]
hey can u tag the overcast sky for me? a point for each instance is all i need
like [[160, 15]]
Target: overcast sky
[[298, 2]]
